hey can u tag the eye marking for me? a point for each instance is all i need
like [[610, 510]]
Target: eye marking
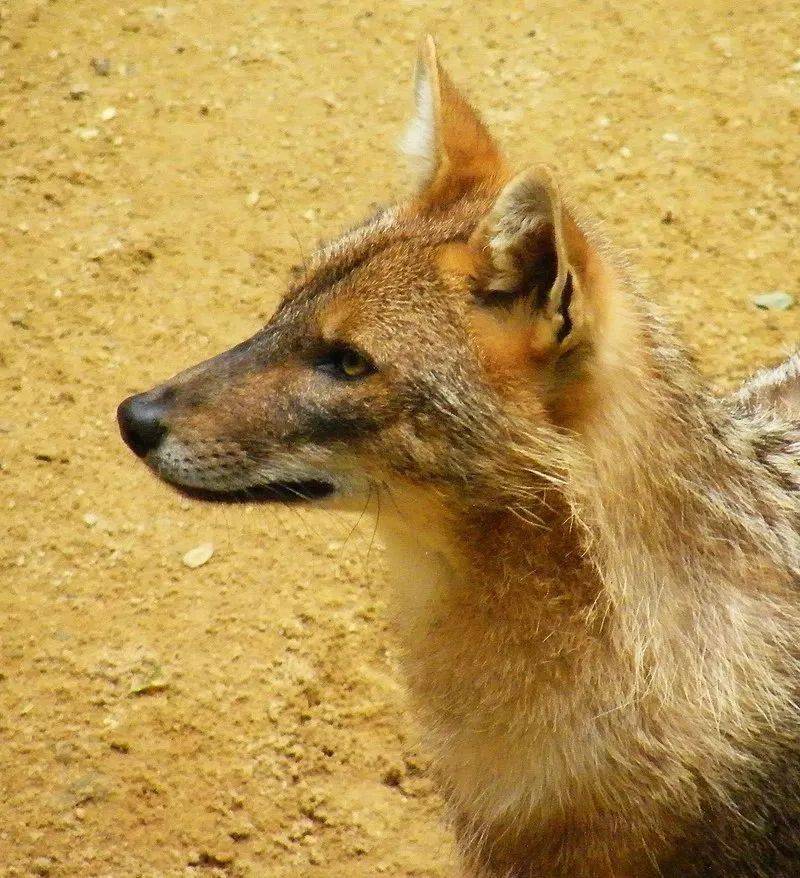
[[345, 363]]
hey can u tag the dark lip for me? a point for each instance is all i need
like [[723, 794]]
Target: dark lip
[[274, 492]]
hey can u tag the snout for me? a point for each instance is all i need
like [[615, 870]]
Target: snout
[[219, 431], [142, 421]]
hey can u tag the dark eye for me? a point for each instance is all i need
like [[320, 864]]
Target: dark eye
[[346, 363]]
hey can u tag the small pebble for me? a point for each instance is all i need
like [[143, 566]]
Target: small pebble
[[393, 776], [90, 519], [87, 133], [199, 555], [241, 831], [108, 114], [78, 91], [42, 866], [723, 44], [101, 66], [671, 137], [252, 198], [777, 300]]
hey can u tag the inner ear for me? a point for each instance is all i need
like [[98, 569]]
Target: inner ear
[[538, 263], [567, 325], [535, 257], [539, 278]]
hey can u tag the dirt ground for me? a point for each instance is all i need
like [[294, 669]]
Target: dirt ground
[[162, 167]]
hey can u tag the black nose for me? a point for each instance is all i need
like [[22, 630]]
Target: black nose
[[141, 422]]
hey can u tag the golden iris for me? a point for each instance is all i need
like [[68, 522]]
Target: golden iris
[[352, 364]]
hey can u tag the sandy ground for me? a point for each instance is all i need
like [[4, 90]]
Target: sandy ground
[[162, 167]]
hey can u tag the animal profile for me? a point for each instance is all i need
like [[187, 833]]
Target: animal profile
[[596, 560]]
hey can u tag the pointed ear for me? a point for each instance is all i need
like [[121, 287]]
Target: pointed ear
[[538, 264], [446, 141]]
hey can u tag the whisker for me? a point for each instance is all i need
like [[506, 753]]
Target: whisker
[[358, 521], [377, 521]]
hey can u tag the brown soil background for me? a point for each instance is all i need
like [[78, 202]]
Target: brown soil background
[[269, 735]]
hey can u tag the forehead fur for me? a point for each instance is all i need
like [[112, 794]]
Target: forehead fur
[[388, 230]]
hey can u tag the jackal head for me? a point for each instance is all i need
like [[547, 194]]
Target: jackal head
[[405, 354]]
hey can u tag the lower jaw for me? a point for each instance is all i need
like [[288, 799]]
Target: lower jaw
[[275, 492]]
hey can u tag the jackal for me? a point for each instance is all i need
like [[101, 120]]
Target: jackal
[[597, 561]]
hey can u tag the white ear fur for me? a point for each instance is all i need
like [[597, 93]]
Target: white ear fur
[[420, 143]]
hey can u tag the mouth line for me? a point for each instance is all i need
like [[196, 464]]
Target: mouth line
[[299, 491]]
